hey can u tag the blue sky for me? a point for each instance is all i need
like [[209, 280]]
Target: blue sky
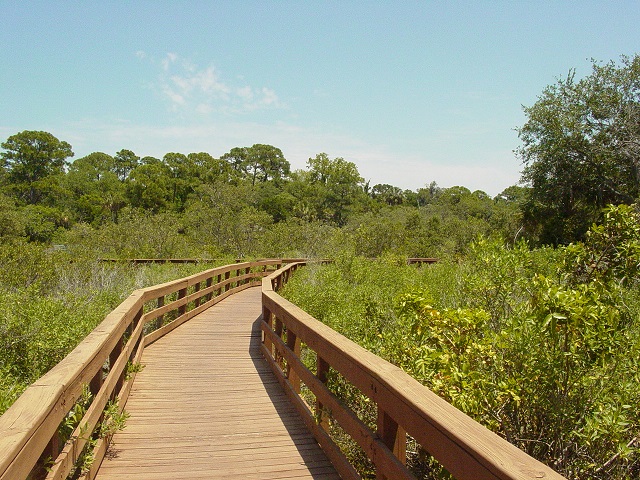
[[412, 92]]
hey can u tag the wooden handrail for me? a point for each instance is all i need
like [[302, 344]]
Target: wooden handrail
[[30, 446], [465, 448]]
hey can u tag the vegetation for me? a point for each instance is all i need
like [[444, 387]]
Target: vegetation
[[581, 148], [48, 305], [529, 323], [540, 345]]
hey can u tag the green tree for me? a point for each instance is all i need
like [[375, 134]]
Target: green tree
[[388, 194], [209, 169], [11, 222], [258, 163], [32, 161], [182, 177], [581, 149], [124, 162], [97, 192], [149, 186], [333, 188]]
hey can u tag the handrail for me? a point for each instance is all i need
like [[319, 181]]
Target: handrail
[[30, 445], [465, 448]]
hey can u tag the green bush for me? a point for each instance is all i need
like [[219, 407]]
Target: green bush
[[539, 345]]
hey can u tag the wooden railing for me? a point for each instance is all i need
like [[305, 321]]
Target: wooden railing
[[404, 406], [30, 443]]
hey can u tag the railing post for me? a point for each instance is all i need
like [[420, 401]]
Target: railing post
[[226, 277], [113, 357], [50, 453], [321, 416], [197, 300], [278, 330], [247, 271], [209, 283], [266, 318], [160, 319], [182, 309], [294, 345], [219, 291], [96, 382], [393, 436]]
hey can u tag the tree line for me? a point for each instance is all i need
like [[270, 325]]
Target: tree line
[[580, 152], [44, 194]]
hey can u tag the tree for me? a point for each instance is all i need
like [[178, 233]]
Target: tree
[[581, 149], [388, 194], [124, 162], [31, 159], [149, 186], [266, 162], [258, 163], [97, 193], [183, 177], [336, 185], [209, 169]]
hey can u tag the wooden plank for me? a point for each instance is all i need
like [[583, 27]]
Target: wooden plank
[[207, 406]]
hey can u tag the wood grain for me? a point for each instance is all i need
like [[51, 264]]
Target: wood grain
[[206, 405]]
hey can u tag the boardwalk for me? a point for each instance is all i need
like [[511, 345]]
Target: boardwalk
[[207, 406]]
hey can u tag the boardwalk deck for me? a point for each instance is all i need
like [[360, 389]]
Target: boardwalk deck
[[206, 405]]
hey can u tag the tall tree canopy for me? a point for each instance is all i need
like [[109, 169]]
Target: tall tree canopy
[[258, 163], [581, 149], [30, 159]]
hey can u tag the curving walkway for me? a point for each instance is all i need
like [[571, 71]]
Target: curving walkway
[[206, 405]]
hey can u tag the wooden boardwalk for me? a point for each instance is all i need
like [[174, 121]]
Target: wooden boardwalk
[[207, 405]]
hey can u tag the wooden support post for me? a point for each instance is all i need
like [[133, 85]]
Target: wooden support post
[[96, 382], [218, 282], [226, 277], [49, 454], [321, 416], [182, 309], [136, 320], [134, 324], [393, 436], [247, 271], [266, 318], [278, 329], [209, 283], [196, 288], [294, 345], [160, 319], [113, 356]]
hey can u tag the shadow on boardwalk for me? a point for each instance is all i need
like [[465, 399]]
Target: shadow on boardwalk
[[206, 405]]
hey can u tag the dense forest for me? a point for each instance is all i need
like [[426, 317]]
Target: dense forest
[[529, 323]]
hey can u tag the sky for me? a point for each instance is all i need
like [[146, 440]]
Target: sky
[[411, 92]]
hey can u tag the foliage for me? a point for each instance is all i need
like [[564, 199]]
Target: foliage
[[611, 251], [581, 149], [33, 161], [539, 345], [48, 305], [113, 420]]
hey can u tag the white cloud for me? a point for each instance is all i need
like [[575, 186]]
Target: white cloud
[[246, 93], [191, 89], [169, 59]]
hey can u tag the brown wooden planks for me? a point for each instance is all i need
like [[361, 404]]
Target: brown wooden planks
[[207, 406]]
